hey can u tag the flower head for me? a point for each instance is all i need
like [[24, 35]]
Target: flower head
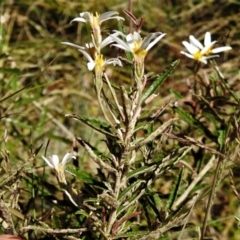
[[95, 60], [92, 45], [96, 20], [202, 53], [135, 44], [54, 162]]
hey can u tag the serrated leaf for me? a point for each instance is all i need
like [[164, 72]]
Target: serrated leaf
[[159, 81], [174, 191]]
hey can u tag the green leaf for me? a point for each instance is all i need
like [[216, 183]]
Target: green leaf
[[135, 234], [16, 213], [188, 118], [156, 198], [221, 138], [127, 203], [55, 220], [95, 124], [154, 202], [140, 170], [174, 191], [10, 70], [83, 176], [176, 94], [82, 212], [159, 81], [129, 189]]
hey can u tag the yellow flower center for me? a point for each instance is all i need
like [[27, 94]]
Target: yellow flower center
[[209, 52], [99, 62], [197, 55], [138, 52]]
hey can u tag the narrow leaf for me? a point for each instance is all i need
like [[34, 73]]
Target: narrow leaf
[[174, 191], [176, 94], [83, 176], [140, 170], [135, 234], [93, 123], [129, 189], [56, 223], [159, 81], [221, 138], [188, 118]]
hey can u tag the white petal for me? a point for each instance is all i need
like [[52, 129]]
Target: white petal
[[89, 58], [207, 48], [87, 16], [221, 49], [108, 40], [109, 15], [155, 41], [124, 45], [148, 39], [55, 161], [91, 65], [119, 33], [136, 37], [211, 56], [207, 39], [48, 162], [113, 61], [73, 45], [191, 48], [79, 19], [203, 60], [130, 40], [195, 42], [187, 54], [66, 158], [126, 48]]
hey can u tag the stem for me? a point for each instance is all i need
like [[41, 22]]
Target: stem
[[102, 108], [114, 97], [210, 198]]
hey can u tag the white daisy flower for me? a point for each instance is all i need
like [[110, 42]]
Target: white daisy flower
[[103, 44], [54, 162], [88, 17], [135, 44], [202, 53], [95, 59]]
